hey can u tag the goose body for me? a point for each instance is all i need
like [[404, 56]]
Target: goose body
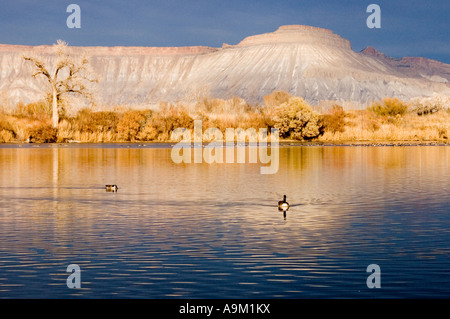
[[283, 204], [111, 188]]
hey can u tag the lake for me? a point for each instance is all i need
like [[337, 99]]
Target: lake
[[214, 230]]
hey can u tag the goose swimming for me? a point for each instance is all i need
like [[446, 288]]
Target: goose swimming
[[111, 188], [283, 205]]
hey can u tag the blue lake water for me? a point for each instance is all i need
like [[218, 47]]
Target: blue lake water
[[214, 231]]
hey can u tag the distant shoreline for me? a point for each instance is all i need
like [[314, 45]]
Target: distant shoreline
[[281, 144], [385, 123]]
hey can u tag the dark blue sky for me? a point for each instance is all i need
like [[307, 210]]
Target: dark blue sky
[[408, 27]]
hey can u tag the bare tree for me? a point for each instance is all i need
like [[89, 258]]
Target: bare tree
[[69, 75]]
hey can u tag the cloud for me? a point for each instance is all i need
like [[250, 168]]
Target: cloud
[[407, 26]]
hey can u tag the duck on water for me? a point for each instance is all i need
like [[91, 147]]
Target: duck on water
[[111, 188], [283, 205]]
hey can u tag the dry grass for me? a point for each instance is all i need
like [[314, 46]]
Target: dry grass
[[409, 128], [6, 136], [41, 110], [334, 120], [42, 132], [6, 129], [389, 107], [386, 120]]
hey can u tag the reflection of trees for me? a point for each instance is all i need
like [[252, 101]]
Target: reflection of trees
[[301, 157], [155, 191], [340, 157], [57, 192], [388, 157]]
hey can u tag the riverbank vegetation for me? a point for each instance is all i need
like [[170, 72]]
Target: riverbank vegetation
[[387, 120]]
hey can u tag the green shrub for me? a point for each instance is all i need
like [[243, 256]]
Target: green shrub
[[389, 107], [295, 119]]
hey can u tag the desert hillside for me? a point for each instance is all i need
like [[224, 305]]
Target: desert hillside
[[310, 62]]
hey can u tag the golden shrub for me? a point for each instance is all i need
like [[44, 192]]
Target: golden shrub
[[334, 120], [7, 133], [42, 133], [296, 119], [6, 136], [5, 124], [88, 121], [35, 110], [130, 124], [368, 122], [389, 107], [148, 133], [160, 125], [253, 120]]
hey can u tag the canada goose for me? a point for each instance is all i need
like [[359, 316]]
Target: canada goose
[[283, 205], [111, 188]]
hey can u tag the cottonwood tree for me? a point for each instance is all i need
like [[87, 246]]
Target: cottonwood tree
[[69, 75]]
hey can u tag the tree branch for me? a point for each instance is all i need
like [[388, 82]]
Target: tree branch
[[40, 67]]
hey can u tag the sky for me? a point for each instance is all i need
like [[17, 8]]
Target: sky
[[408, 27]]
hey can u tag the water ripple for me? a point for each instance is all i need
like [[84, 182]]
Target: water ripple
[[205, 231]]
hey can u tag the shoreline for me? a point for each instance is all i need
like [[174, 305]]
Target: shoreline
[[283, 143], [388, 122]]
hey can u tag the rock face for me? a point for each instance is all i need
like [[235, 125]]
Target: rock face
[[414, 66], [305, 61]]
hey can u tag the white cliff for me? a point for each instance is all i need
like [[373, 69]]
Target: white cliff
[[306, 61]]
